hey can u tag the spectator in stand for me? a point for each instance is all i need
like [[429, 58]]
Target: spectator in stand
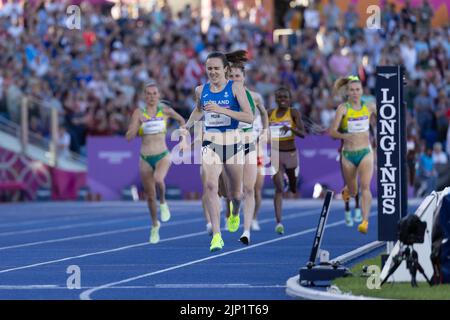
[[111, 59], [442, 166], [427, 175], [63, 142]]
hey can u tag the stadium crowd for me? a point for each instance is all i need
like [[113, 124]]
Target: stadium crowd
[[94, 76]]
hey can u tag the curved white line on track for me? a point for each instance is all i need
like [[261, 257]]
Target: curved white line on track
[[85, 295], [156, 286]]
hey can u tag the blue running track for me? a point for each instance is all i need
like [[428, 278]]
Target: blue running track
[[108, 242]]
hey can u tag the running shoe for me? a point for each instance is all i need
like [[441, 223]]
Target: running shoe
[[279, 228], [245, 238], [154, 234], [233, 222], [358, 217], [363, 226], [348, 219], [255, 225], [209, 228], [216, 243], [165, 212]]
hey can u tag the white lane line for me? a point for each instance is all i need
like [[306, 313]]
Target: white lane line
[[208, 286], [100, 252], [71, 226], [58, 218], [189, 235], [105, 212], [30, 287], [85, 295], [97, 234], [129, 212], [156, 286], [137, 213]]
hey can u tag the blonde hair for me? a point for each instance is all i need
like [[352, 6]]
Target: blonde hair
[[341, 84]]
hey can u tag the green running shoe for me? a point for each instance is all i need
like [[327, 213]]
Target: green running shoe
[[165, 212], [348, 219], [154, 234], [233, 223], [216, 243], [279, 228]]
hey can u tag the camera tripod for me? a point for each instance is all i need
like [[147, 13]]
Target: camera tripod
[[412, 264]]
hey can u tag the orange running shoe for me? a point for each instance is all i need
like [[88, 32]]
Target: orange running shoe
[[363, 226]]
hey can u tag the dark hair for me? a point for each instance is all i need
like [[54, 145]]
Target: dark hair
[[284, 89], [240, 66], [229, 59]]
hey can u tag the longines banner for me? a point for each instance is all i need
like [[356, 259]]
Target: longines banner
[[391, 153]]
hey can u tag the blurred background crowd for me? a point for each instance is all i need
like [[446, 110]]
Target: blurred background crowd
[[94, 76]]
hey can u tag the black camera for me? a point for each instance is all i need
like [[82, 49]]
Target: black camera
[[411, 230]]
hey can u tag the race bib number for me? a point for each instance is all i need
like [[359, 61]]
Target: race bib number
[[153, 127], [358, 125], [276, 132], [213, 119]]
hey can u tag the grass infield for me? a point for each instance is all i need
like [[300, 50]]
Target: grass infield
[[358, 285]]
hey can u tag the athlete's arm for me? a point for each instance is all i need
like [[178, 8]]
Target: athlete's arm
[[171, 113], [262, 110], [245, 115], [333, 131], [134, 125], [197, 113], [373, 111], [372, 108], [299, 131]]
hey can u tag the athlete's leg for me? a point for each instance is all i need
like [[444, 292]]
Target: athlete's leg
[[349, 171], [365, 171], [211, 169], [350, 174], [358, 216], [258, 197], [249, 180], [205, 209], [233, 168], [225, 192], [148, 183], [278, 199], [161, 170], [292, 178], [234, 173], [345, 193], [346, 198]]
